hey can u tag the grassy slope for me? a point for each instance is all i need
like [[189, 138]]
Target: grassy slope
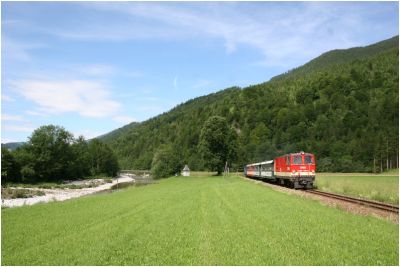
[[194, 221], [376, 187]]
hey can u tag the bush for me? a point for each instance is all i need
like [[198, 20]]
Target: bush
[[165, 163]]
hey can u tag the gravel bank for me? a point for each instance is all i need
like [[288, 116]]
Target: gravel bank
[[61, 194]]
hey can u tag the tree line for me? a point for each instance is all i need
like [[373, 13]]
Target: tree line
[[53, 154], [346, 114]]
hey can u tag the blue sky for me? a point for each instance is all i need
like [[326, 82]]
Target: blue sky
[[95, 66]]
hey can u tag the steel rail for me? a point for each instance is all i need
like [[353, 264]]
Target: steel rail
[[370, 203]]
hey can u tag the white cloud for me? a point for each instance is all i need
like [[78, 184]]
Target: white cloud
[[124, 119], [98, 70], [6, 117], [17, 50], [8, 140], [17, 128], [36, 113], [286, 34], [7, 98], [87, 134], [175, 83], [88, 98]]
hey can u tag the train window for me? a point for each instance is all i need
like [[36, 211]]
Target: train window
[[308, 159], [297, 159], [287, 160]]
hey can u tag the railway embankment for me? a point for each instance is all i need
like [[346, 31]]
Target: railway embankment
[[343, 204]]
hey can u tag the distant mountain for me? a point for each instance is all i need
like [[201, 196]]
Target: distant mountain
[[342, 106], [340, 56], [13, 145]]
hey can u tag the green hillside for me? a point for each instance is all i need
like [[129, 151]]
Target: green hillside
[[117, 132], [340, 56], [342, 106]]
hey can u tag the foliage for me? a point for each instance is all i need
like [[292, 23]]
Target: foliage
[[102, 159], [342, 107], [217, 143], [53, 154], [195, 221], [10, 169], [165, 162]]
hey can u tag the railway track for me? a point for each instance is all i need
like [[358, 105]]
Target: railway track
[[369, 203]]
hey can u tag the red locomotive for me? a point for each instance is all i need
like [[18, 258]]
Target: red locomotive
[[296, 170]]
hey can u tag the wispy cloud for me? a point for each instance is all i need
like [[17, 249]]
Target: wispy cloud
[[7, 98], [17, 50], [87, 134], [17, 128], [283, 33], [286, 34], [124, 119], [88, 98], [37, 113], [175, 83], [8, 140], [7, 117], [98, 70]]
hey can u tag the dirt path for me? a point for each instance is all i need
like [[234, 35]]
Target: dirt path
[[61, 194]]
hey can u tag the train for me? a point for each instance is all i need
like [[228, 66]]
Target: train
[[295, 170]]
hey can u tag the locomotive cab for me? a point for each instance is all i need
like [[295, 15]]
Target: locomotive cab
[[296, 170]]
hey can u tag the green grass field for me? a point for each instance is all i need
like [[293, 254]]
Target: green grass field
[[370, 186], [195, 221]]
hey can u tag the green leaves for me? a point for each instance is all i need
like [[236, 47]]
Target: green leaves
[[165, 162], [217, 144], [52, 154]]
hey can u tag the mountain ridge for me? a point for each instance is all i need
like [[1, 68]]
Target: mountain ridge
[[344, 112]]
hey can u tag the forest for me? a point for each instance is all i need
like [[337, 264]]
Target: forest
[[341, 106]]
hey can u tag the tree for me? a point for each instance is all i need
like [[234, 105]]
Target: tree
[[102, 159], [51, 152], [26, 161], [218, 143], [165, 162], [80, 166], [10, 169]]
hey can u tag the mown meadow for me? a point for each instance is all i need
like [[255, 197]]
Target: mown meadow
[[195, 221], [383, 188]]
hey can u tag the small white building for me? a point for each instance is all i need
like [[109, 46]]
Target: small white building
[[186, 171]]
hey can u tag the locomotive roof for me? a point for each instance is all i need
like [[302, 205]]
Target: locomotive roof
[[298, 153], [260, 163]]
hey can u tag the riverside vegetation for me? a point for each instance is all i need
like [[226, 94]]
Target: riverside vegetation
[[195, 221], [52, 154]]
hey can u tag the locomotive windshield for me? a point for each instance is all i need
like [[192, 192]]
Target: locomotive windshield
[[297, 159], [308, 159]]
